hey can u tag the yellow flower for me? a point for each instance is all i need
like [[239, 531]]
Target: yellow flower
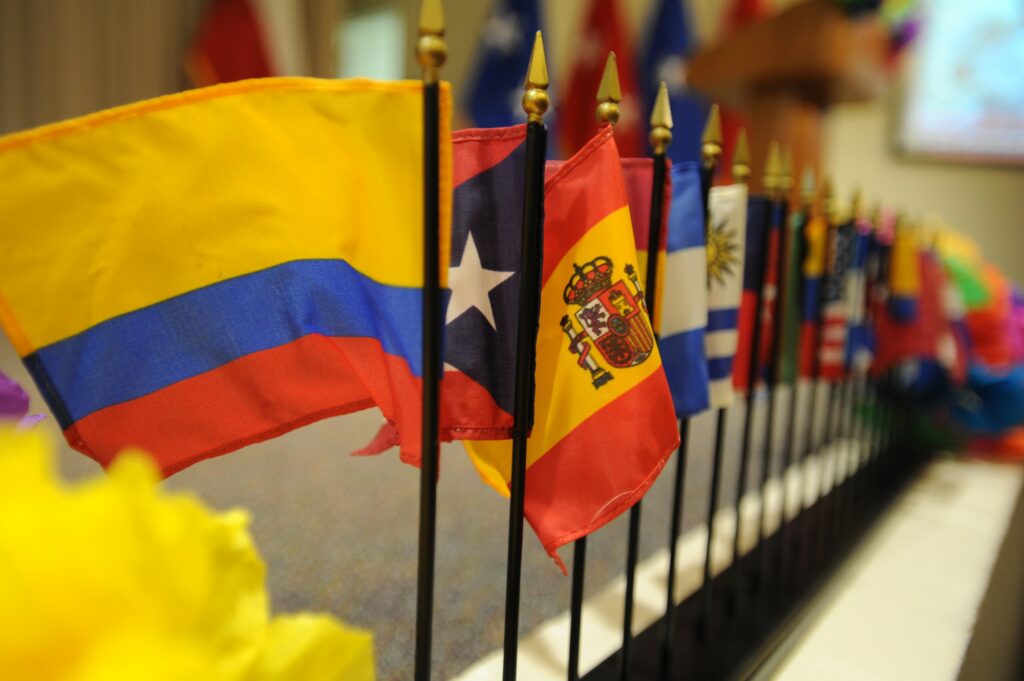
[[113, 580]]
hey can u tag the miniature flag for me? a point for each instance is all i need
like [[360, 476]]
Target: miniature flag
[[685, 306], [832, 346], [725, 237], [241, 39], [771, 306], [816, 242], [239, 282], [604, 32], [904, 275], [860, 343], [790, 308], [669, 46], [758, 215], [604, 419], [496, 90]]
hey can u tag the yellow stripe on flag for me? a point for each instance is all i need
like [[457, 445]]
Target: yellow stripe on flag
[[165, 196]]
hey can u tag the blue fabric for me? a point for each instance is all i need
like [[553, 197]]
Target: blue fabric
[[720, 368], [496, 88], [148, 349], [682, 355], [724, 319], [686, 217], [489, 207], [669, 45], [758, 209]]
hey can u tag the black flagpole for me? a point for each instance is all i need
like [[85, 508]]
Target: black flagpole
[[431, 53], [711, 151], [776, 193], [535, 104], [753, 369]]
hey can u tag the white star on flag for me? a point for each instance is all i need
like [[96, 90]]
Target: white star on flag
[[471, 285]]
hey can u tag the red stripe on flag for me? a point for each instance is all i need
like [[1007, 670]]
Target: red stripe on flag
[[483, 148], [560, 513], [266, 394]]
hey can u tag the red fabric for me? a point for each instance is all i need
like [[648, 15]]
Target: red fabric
[[576, 210], [638, 174], [808, 349], [745, 329], [920, 339], [771, 293], [990, 326], [604, 31], [487, 148], [267, 394], [561, 512], [230, 45], [739, 14]]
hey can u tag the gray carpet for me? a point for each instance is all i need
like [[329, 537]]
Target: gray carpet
[[338, 533]]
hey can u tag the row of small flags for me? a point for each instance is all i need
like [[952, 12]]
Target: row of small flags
[[202, 271]]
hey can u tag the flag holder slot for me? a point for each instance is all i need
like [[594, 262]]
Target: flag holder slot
[[535, 104], [431, 54]]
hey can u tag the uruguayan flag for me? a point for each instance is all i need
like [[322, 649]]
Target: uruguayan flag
[[684, 306], [726, 234]]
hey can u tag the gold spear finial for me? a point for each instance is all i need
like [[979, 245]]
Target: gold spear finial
[[609, 94], [741, 159], [773, 171], [535, 99], [786, 181], [807, 188], [431, 50], [711, 140], [661, 121]]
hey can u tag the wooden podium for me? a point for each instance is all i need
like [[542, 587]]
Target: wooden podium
[[784, 72]]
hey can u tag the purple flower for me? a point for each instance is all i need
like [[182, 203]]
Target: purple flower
[[14, 403]]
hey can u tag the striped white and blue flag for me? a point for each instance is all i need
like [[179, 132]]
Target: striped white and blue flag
[[726, 237], [684, 307]]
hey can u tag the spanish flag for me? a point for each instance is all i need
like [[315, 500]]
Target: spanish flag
[[604, 421], [198, 272]]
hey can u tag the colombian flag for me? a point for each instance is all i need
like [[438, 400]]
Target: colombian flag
[[201, 271], [816, 240], [604, 423]]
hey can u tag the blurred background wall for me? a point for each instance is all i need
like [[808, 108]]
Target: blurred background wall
[[62, 58]]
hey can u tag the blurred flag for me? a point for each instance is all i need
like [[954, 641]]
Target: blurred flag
[[685, 308], [832, 346], [604, 31], [638, 175], [240, 39], [860, 345], [928, 335], [604, 418], [778, 212], [293, 293], [496, 90], [816, 246], [725, 237], [756, 243], [791, 303], [990, 325], [669, 46], [739, 14], [904, 275]]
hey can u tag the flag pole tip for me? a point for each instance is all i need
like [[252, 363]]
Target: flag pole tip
[[711, 140], [787, 169], [807, 188], [609, 92], [661, 121], [535, 97], [431, 49], [741, 158], [773, 169]]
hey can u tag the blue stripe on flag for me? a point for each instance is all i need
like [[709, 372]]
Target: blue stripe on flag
[[143, 351], [724, 319], [682, 355], [719, 367]]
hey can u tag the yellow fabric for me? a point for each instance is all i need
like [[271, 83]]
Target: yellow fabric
[[641, 263], [816, 234], [904, 267], [565, 397], [132, 206], [110, 580]]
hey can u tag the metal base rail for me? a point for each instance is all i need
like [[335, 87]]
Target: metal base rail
[[744, 645]]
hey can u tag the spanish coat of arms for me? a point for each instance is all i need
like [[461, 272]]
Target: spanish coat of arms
[[612, 316]]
